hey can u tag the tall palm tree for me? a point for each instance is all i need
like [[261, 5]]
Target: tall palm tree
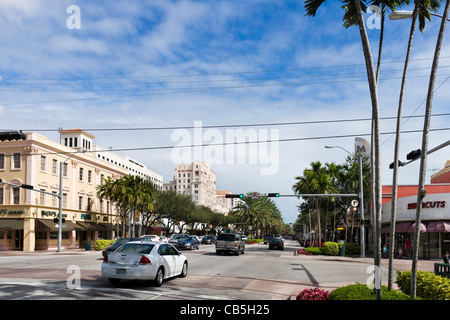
[[422, 8], [353, 17], [255, 212], [423, 158], [314, 181]]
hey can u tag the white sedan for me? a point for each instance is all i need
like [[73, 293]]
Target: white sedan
[[136, 260]]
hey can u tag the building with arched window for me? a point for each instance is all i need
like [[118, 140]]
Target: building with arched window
[[27, 216]]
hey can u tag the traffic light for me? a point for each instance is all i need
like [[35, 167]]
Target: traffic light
[[273, 194], [413, 155], [27, 186], [234, 195], [400, 164]]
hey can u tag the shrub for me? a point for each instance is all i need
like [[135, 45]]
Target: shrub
[[313, 294], [330, 249], [352, 248], [429, 286], [360, 291], [302, 251], [102, 244], [314, 250]]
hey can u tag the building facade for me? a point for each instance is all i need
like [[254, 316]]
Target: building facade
[[443, 175], [27, 216], [199, 181], [435, 220]]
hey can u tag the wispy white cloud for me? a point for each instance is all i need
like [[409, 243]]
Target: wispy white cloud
[[144, 45]]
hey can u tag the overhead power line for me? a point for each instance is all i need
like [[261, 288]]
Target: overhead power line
[[240, 125], [237, 142]]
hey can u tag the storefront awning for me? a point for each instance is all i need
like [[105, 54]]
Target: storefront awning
[[423, 228], [43, 224], [438, 226], [86, 226], [11, 224], [402, 227]]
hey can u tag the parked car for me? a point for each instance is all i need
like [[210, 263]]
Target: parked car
[[116, 244], [144, 260], [186, 242], [276, 243], [176, 236], [151, 237], [230, 242], [208, 239]]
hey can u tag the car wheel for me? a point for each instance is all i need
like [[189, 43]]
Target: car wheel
[[114, 280], [159, 277], [184, 271], [238, 251]]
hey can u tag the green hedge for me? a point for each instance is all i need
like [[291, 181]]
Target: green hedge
[[102, 244], [330, 249], [314, 250], [429, 286], [360, 291], [352, 248]]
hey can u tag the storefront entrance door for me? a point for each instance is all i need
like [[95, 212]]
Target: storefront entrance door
[[18, 239]]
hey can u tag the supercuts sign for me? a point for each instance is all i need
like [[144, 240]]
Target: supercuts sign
[[428, 205]]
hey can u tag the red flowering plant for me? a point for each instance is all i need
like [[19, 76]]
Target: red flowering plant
[[302, 251], [313, 294]]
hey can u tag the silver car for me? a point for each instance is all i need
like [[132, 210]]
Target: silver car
[[143, 260]]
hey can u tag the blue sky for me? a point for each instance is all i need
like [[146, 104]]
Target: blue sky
[[175, 63]]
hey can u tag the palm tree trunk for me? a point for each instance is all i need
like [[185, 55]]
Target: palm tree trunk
[[423, 158], [319, 238], [396, 156], [375, 112]]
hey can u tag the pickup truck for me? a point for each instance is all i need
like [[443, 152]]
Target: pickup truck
[[230, 242]]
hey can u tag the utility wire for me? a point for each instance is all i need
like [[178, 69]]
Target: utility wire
[[234, 143], [240, 125]]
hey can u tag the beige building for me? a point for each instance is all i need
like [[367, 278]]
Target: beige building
[[27, 217], [199, 181]]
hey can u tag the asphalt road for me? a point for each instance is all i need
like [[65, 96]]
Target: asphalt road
[[259, 274]]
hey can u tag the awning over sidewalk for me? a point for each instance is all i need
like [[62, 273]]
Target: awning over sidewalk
[[44, 224], [11, 224], [438, 226]]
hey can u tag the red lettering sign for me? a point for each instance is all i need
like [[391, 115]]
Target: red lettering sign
[[427, 205]]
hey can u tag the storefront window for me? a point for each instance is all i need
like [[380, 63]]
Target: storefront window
[[54, 235], [434, 245], [445, 243]]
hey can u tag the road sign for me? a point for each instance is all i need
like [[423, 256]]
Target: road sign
[[255, 195], [354, 203]]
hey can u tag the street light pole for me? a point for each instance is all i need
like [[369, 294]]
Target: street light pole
[[361, 197]]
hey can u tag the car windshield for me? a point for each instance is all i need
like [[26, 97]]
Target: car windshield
[[136, 248], [185, 239], [121, 241]]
